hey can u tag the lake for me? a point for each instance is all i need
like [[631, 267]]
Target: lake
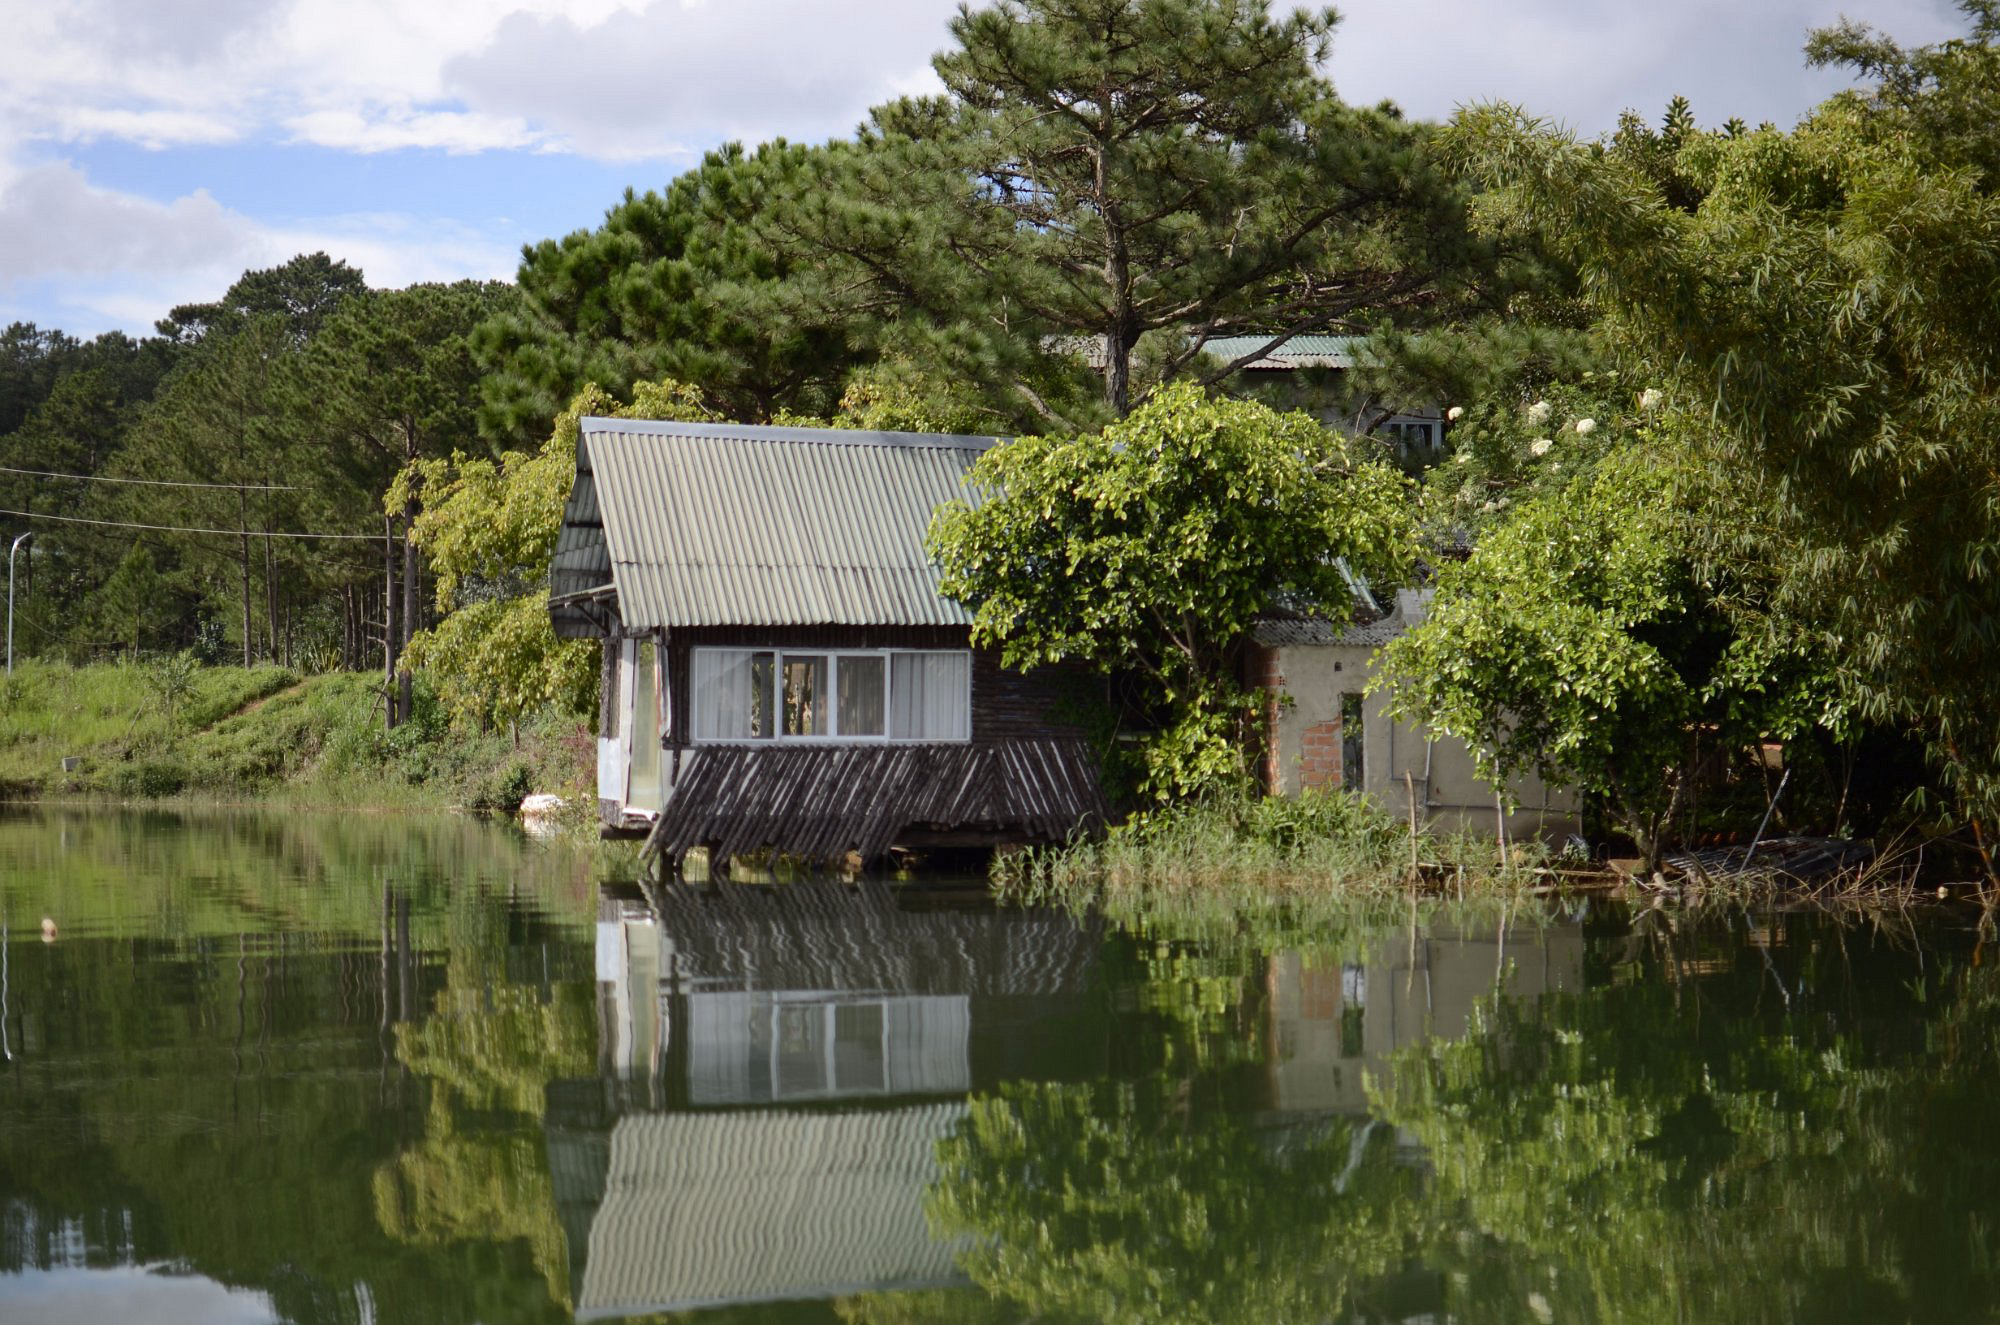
[[394, 1069]]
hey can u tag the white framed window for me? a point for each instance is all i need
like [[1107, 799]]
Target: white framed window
[[1415, 436], [843, 695]]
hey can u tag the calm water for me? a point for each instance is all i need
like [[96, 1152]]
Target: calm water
[[406, 1070]]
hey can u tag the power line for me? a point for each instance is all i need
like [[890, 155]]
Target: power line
[[150, 482], [185, 529]]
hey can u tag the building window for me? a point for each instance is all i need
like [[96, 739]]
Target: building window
[[876, 695], [1414, 436], [1350, 742]]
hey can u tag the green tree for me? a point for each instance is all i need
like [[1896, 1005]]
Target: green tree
[[1151, 547], [489, 528], [1827, 301], [303, 292], [1180, 166], [389, 378], [680, 283], [1582, 639]]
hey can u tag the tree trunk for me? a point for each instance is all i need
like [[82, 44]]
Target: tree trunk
[[389, 620], [243, 524], [270, 592], [404, 682]]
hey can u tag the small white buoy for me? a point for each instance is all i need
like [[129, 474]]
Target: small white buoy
[[48, 930]]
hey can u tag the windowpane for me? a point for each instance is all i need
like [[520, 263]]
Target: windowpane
[[860, 694], [731, 695], [930, 696], [1352, 756], [644, 788], [800, 1051], [804, 707], [857, 1041]]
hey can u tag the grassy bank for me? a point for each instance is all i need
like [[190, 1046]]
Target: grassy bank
[[1238, 861], [135, 732]]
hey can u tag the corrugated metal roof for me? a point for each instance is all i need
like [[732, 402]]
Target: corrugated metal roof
[[721, 524], [703, 1209], [1298, 352]]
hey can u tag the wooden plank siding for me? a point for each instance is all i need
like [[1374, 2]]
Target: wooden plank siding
[[819, 803]]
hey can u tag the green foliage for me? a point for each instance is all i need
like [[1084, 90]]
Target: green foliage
[[1580, 641], [302, 293], [171, 678], [680, 284], [1824, 299], [489, 529], [1655, 1148], [270, 733], [1151, 547], [1097, 1202]]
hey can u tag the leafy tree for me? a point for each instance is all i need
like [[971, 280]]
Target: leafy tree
[[681, 284], [1827, 302], [1181, 166], [1152, 546], [1582, 639], [389, 378], [303, 292], [1104, 1202], [489, 528], [31, 359]]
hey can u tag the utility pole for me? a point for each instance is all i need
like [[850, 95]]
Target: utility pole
[[10, 597]]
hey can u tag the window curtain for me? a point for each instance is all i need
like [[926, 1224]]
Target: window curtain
[[930, 696], [726, 705]]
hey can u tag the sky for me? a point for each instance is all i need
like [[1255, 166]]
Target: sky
[[153, 150]]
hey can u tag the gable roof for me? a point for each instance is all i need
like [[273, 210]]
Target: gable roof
[[709, 524]]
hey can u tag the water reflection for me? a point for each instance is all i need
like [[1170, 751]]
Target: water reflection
[[362, 1072], [779, 1068]]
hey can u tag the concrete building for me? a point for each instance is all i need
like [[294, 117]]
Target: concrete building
[[1326, 729]]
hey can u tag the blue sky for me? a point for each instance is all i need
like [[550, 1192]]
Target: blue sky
[[152, 150]]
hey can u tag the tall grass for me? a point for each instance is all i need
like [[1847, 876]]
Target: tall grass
[[1322, 858]]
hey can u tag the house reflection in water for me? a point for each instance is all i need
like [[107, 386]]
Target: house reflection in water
[[778, 1064], [777, 1067], [1332, 1025]]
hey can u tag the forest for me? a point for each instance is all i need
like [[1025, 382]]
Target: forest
[[1719, 471]]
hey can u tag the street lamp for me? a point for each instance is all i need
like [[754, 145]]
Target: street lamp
[[10, 597]]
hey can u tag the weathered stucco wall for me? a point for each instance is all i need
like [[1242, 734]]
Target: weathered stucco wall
[[1307, 741]]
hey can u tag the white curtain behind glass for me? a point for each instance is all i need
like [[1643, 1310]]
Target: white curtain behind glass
[[930, 696], [725, 702]]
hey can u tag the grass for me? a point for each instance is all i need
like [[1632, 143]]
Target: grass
[[267, 734], [1249, 863]]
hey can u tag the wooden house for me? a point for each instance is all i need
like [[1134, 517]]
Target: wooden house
[[781, 671]]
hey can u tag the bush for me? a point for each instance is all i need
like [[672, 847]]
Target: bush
[[153, 778], [502, 790]]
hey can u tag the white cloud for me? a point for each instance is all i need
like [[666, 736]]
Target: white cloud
[[625, 87], [60, 1297], [108, 259], [616, 79], [453, 131], [1581, 64], [147, 128], [53, 221]]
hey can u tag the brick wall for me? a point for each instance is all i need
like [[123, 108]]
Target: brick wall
[[1319, 756]]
